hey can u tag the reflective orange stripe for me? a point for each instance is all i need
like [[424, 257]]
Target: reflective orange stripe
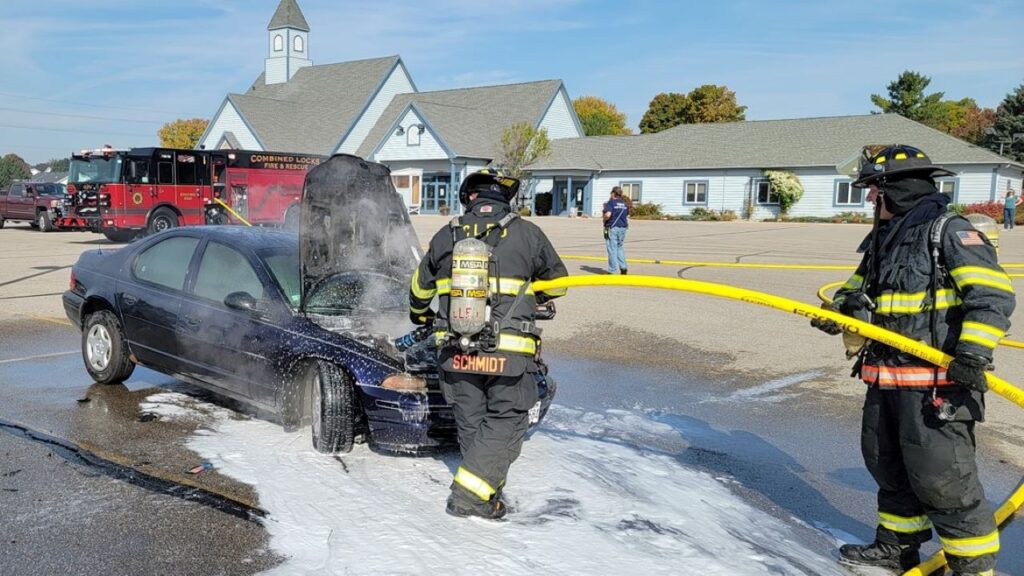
[[903, 376]]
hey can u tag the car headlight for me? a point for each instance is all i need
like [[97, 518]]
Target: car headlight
[[405, 382]]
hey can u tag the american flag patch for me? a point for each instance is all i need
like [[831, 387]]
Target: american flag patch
[[970, 238]]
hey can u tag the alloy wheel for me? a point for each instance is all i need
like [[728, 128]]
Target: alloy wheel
[[98, 347]]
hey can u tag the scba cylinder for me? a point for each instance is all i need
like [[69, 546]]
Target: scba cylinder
[[468, 299]]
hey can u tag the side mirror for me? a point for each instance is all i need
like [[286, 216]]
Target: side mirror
[[241, 301]]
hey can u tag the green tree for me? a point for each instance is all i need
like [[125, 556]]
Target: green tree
[[182, 133], [600, 117], [522, 145], [12, 167], [1009, 120], [706, 103], [665, 111], [711, 103], [59, 164], [907, 98]]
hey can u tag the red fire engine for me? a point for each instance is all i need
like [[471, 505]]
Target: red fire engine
[[123, 193]]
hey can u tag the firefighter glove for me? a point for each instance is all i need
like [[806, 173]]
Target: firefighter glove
[[827, 326], [422, 318], [968, 370], [852, 302]]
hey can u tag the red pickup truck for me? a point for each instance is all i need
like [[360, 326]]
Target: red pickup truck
[[38, 203]]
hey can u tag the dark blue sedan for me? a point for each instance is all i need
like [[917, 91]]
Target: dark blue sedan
[[306, 334]]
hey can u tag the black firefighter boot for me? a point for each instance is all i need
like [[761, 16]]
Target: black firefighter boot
[[493, 509], [881, 554]]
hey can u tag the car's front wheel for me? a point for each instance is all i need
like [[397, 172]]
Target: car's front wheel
[[332, 408], [43, 222], [104, 349]]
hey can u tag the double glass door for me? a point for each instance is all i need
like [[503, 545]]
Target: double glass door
[[435, 193]]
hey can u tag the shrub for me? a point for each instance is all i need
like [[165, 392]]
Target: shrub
[[957, 208], [993, 210], [851, 217], [700, 213], [787, 186], [728, 215], [646, 211]]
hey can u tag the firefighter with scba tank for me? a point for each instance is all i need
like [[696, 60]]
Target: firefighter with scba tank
[[929, 275], [480, 267]]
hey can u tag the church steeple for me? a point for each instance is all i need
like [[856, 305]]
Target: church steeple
[[288, 43]]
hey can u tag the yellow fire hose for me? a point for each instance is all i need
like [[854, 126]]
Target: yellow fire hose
[[824, 297], [852, 325], [232, 212]]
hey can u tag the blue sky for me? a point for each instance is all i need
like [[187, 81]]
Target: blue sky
[[84, 73]]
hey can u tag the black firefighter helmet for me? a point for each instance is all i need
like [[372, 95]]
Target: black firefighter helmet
[[880, 162], [489, 183]]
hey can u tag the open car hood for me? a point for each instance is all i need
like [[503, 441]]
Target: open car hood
[[353, 219]]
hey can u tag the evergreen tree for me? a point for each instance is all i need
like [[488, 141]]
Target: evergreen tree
[[1009, 120]]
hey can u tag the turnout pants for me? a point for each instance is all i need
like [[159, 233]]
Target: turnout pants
[[927, 476], [492, 415]]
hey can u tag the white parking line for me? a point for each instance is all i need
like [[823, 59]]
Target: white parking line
[[38, 356]]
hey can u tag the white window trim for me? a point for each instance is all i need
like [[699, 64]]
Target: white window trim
[[707, 186], [413, 131], [278, 43], [956, 186], [835, 195], [756, 185], [639, 189], [299, 43]]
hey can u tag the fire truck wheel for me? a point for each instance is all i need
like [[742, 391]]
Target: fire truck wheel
[[162, 219], [291, 218], [43, 222]]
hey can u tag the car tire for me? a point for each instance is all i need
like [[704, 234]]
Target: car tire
[[292, 217], [162, 219], [332, 408], [2, 221], [43, 222], [104, 349], [119, 236]]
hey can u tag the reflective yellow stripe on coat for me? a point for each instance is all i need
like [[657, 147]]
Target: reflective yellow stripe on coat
[[984, 334], [916, 302], [978, 276], [419, 292]]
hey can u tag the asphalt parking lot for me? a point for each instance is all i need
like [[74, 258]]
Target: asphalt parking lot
[[601, 339]]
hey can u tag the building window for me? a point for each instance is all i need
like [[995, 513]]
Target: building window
[[847, 195], [298, 44], [947, 186], [765, 194], [631, 190], [695, 192], [412, 135], [278, 43]]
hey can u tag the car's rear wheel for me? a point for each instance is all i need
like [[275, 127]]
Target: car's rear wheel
[[104, 349], [162, 219], [332, 408], [2, 221], [43, 222]]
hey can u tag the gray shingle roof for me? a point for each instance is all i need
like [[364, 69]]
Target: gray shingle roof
[[469, 120], [759, 144], [310, 112], [288, 15]]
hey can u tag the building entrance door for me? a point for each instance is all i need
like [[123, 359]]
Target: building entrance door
[[435, 194]]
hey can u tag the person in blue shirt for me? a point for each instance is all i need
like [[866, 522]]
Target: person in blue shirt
[[616, 223]]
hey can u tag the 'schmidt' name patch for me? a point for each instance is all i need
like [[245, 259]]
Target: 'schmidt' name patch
[[970, 238]]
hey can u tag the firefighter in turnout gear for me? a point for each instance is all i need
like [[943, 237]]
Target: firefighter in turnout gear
[[480, 268], [930, 276]]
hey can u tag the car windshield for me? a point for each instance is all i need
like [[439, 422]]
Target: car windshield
[[96, 169], [49, 189], [284, 267], [358, 291]]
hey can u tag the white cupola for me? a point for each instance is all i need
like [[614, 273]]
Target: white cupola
[[287, 43]]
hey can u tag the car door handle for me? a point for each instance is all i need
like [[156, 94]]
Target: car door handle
[[192, 321], [130, 300]]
